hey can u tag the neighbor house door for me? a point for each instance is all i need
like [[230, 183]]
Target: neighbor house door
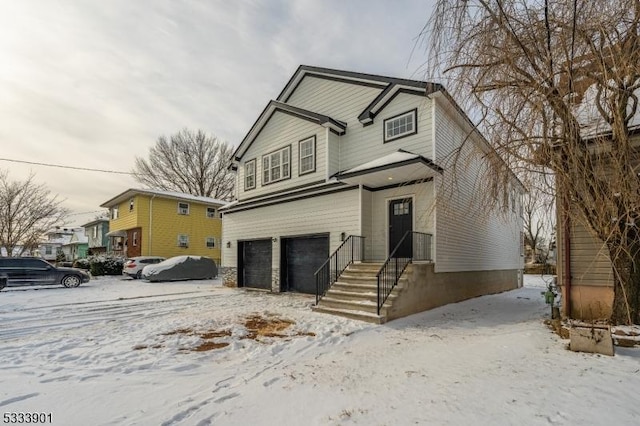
[[400, 221]]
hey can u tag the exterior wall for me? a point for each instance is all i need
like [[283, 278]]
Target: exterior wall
[[468, 237], [591, 290], [426, 289], [283, 130], [360, 144], [366, 221], [422, 195], [332, 213]]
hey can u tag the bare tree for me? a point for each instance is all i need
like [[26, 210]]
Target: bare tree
[[190, 162], [27, 212], [538, 212], [555, 85]]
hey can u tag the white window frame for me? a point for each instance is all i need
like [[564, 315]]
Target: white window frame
[[395, 122], [182, 210], [250, 175], [115, 212], [283, 168], [308, 141], [212, 240], [183, 240], [131, 205], [134, 237], [95, 231], [211, 212], [48, 250]]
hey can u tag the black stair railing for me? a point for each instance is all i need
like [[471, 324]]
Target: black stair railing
[[401, 256], [351, 249]]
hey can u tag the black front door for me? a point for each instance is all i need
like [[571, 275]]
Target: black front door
[[400, 221]]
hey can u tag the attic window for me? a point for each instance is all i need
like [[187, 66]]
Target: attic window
[[400, 126], [276, 166], [131, 205]]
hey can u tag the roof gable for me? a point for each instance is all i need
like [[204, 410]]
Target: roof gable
[[132, 192]]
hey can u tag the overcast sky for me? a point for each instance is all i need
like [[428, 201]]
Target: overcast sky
[[93, 84]]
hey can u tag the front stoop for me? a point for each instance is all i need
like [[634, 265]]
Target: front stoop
[[355, 295]]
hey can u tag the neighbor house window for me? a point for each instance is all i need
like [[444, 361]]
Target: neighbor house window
[[307, 155], [250, 174], [131, 205], [276, 166], [48, 250], [183, 240], [211, 212], [211, 242], [135, 238], [95, 231], [400, 125], [183, 208], [114, 212]]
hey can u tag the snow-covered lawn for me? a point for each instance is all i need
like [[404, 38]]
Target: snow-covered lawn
[[120, 351]]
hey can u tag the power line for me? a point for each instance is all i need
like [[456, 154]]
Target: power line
[[86, 169]]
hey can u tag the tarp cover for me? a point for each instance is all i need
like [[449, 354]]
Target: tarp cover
[[181, 268]]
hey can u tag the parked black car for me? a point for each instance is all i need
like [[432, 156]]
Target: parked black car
[[22, 271]]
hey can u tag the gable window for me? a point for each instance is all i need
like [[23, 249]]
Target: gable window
[[211, 212], [183, 208], [250, 174], [276, 166], [114, 212], [211, 242], [131, 205], [307, 155], [400, 126], [183, 240]]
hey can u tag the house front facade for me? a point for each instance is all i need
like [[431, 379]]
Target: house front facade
[[96, 232], [342, 154], [147, 222]]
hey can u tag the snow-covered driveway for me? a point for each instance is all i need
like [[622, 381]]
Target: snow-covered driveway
[[119, 351]]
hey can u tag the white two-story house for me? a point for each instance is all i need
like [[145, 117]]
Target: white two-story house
[[362, 164]]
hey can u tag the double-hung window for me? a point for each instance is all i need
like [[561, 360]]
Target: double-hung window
[[183, 208], [400, 126], [307, 155], [115, 213], [211, 212], [276, 166], [250, 174], [183, 240], [211, 242]]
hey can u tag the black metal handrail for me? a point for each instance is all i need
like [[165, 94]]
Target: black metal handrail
[[350, 250], [401, 256]]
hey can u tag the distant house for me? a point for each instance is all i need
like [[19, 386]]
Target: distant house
[[145, 222], [343, 170], [96, 232], [77, 246], [55, 242]]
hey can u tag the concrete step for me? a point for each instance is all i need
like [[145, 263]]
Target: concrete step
[[363, 287], [353, 305], [356, 315], [345, 294]]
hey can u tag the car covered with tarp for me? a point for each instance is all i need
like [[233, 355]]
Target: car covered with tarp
[[181, 268]]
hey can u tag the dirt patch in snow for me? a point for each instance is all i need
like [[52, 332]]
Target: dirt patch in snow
[[259, 326]]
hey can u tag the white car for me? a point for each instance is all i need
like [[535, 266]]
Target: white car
[[133, 266]]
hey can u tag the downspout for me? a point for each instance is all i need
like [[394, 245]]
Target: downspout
[[150, 221], [567, 257]]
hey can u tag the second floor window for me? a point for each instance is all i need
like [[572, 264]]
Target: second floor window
[[307, 156], [211, 212], [183, 208], [400, 125], [114, 212], [131, 205], [276, 166], [48, 250], [249, 175]]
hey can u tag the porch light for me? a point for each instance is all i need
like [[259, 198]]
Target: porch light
[[390, 178]]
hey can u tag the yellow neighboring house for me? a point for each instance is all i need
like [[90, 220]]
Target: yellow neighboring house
[[147, 222]]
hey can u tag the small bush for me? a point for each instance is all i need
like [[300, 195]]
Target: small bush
[[105, 265], [82, 264]]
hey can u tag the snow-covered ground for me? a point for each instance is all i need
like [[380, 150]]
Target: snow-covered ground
[[120, 351]]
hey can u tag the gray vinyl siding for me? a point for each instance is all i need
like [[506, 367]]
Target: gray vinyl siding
[[333, 154], [366, 221], [283, 130], [422, 195], [360, 144], [468, 237], [590, 264], [333, 213]]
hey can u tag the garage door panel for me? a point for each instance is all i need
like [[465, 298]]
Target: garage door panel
[[304, 256], [256, 261]]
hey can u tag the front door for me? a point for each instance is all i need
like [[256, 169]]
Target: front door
[[400, 221]]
